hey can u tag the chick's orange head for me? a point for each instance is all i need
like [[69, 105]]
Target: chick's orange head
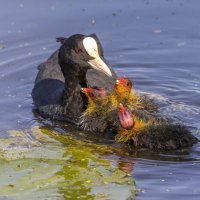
[[123, 85]]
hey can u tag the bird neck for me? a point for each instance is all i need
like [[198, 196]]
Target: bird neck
[[74, 101]]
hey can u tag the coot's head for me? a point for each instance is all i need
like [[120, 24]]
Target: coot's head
[[79, 53], [125, 117]]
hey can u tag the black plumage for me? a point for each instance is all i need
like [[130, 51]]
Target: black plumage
[[57, 95], [57, 91]]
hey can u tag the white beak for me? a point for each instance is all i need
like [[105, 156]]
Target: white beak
[[98, 64]]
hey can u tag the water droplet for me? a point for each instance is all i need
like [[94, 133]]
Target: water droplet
[[181, 44], [21, 5], [157, 31]]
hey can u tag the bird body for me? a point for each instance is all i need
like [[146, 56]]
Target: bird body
[[78, 63], [77, 85], [136, 121]]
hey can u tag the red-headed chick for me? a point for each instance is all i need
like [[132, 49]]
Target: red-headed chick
[[93, 93], [90, 97], [95, 97], [125, 117], [88, 93], [99, 91], [122, 86]]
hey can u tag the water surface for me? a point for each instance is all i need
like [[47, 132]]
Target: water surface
[[154, 43]]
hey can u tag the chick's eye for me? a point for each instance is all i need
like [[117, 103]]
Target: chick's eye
[[78, 50], [128, 84]]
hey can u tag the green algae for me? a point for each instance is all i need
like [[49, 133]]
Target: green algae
[[43, 164]]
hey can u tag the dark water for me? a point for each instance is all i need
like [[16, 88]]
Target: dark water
[[154, 43]]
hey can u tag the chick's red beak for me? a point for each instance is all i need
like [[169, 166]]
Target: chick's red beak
[[87, 91], [126, 118]]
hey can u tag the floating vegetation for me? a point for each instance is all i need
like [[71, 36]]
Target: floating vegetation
[[43, 164]]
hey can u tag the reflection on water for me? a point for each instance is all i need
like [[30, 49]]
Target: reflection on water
[[154, 43], [57, 166]]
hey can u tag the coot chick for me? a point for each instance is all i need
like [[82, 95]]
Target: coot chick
[[135, 125], [78, 63], [125, 93], [122, 93], [94, 118], [94, 98], [153, 134], [126, 118], [103, 109]]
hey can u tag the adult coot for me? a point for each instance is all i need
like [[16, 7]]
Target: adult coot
[[78, 63]]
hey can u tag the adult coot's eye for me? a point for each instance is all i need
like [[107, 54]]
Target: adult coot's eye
[[78, 50]]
